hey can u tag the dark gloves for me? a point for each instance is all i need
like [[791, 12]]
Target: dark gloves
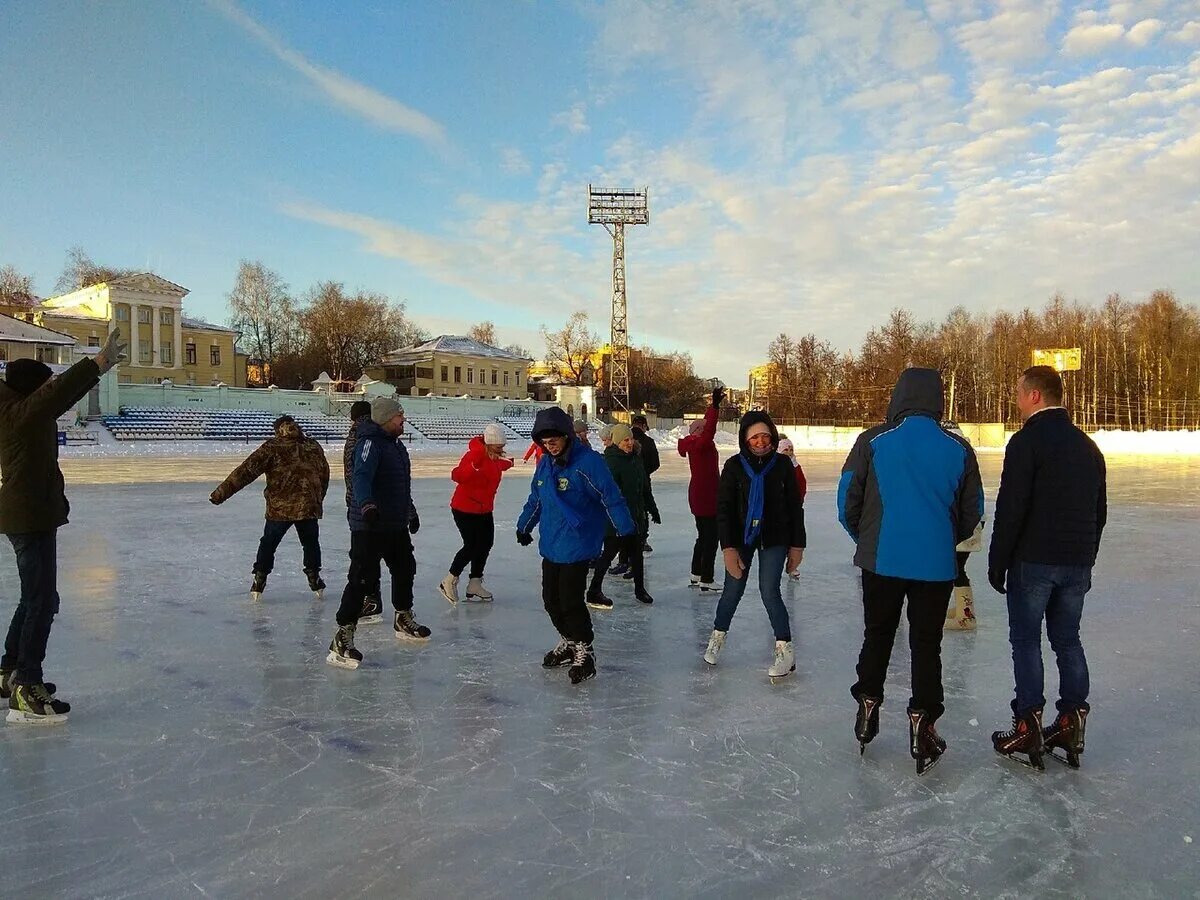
[[524, 538], [996, 579], [414, 523], [215, 498], [655, 517], [718, 397], [370, 513]]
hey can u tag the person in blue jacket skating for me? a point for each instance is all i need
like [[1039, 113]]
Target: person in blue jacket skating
[[573, 497]]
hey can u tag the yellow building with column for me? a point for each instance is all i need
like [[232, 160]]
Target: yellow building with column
[[163, 342]]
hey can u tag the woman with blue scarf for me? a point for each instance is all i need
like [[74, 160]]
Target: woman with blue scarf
[[759, 511]]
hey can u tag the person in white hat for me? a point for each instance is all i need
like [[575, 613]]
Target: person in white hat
[[477, 477]]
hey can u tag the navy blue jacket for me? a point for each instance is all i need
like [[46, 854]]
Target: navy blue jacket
[[1052, 504], [383, 478], [572, 497], [910, 490]]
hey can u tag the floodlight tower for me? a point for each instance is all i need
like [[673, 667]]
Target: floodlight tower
[[614, 209]]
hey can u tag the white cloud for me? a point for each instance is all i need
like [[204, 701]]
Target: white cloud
[[513, 161], [1084, 40], [1016, 32], [1188, 33], [573, 120], [352, 96], [1145, 31]]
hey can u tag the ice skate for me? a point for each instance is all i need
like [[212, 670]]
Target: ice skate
[[716, 641], [1025, 739], [784, 663], [693, 581], [866, 723], [561, 655], [1066, 733], [476, 591], [643, 596], [627, 575], [924, 743], [33, 704], [619, 569], [258, 586], [960, 616], [597, 600], [707, 587], [342, 652], [646, 548], [449, 588], [372, 611], [583, 662], [7, 686], [315, 584], [407, 628]]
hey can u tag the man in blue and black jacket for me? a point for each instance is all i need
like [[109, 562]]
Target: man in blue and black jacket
[[573, 497], [909, 493]]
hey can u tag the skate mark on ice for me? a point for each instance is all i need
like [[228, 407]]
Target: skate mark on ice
[[350, 745]]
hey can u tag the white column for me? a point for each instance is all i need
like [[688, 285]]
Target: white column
[[135, 343], [177, 359], [155, 336]]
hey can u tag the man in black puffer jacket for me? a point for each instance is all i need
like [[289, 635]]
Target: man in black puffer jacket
[[1050, 513]]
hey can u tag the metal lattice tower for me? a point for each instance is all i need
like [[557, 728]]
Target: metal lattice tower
[[614, 209]]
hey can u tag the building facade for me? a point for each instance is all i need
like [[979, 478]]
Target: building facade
[[20, 339], [762, 379], [454, 365]]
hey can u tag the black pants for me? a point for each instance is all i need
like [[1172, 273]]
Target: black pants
[[478, 531], [309, 532], [704, 552], [962, 580], [37, 565], [367, 550], [563, 586], [629, 547], [883, 599]]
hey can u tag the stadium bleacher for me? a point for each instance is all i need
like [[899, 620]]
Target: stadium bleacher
[[521, 426], [453, 428], [168, 423]]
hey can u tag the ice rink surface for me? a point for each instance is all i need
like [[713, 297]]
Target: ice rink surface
[[212, 752]]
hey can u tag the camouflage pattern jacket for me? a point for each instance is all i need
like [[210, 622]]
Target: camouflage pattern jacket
[[297, 478]]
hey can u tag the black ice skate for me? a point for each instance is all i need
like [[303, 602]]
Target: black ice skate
[[1066, 733], [342, 652], [7, 686], [407, 628], [32, 704], [924, 743], [315, 584], [583, 663], [258, 585], [597, 600], [866, 723], [372, 611], [1025, 739], [561, 655], [643, 596]]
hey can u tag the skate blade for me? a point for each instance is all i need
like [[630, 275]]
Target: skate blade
[[775, 678], [449, 599], [600, 608], [929, 765], [256, 596], [1069, 761], [20, 717], [371, 620], [410, 638], [1027, 763], [320, 595], [711, 662], [341, 662], [479, 598], [583, 679]]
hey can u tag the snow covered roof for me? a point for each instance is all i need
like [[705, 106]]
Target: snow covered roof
[[189, 322], [19, 331], [451, 343]]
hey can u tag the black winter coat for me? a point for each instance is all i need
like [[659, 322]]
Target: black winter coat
[[783, 510], [649, 451]]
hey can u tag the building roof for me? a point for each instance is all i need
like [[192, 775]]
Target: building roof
[[19, 331], [70, 312], [201, 325], [148, 282], [451, 343]]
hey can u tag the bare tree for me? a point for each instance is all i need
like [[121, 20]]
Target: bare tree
[[16, 289], [345, 333], [263, 313], [518, 350], [569, 351], [484, 332], [82, 271]]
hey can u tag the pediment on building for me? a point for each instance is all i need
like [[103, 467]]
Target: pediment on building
[[148, 283]]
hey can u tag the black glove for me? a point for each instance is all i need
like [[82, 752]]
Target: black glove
[[215, 499], [996, 579], [718, 397], [524, 538], [655, 517], [414, 523], [370, 513]]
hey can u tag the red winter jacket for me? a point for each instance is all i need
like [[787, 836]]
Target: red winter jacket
[[478, 478], [801, 481], [701, 453]]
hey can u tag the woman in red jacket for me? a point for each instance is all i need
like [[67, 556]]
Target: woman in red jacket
[[478, 478], [701, 452]]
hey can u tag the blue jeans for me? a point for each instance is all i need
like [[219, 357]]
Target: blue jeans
[[771, 561], [1055, 593], [29, 631]]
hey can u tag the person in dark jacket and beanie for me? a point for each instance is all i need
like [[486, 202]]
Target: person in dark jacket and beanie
[[627, 471], [909, 493], [758, 512], [1050, 514], [648, 450], [360, 410], [297, 481], [381, 520], [700, 450], [33, 506], [572, 499]]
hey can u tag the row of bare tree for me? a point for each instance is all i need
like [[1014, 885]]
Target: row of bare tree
[[1141, 364]]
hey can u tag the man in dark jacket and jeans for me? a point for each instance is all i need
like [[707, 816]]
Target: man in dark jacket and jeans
[[909, 493], [33, 506], [360, 411], [381, 520], [1050, 513], [648, 450]]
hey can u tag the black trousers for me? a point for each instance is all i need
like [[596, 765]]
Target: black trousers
[[962, 580], [29, 631], [629, 547], [883, 601], [478, 531], [367, 550], [309, 532], [704, 552], [563, 586]]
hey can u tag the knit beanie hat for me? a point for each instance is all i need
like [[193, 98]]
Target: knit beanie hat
[[493, 436], [580, 425], [26, 375], [606, 432], [384, 409], [621, 431], [695, 426], [757, 428], [359, 409], [786, 446]]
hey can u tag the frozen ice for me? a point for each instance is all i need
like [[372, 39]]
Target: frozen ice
[[212, 752]]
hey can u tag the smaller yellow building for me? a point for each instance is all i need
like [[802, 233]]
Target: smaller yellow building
[[762, 378], [454, 365]]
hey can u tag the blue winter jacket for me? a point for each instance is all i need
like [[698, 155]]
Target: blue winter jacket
[[573, 497], [910, 490], [383, 477]]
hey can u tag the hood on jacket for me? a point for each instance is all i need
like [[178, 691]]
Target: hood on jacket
[[287, 427], [553, 421], [918, 392], [753, 417]]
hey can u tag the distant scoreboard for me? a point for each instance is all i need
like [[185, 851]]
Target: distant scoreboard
[[1061, 360]]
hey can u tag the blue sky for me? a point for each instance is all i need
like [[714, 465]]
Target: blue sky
[[810, 164]]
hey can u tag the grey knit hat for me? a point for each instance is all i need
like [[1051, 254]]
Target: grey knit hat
[[384, 409]]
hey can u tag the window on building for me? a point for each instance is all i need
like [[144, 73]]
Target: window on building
[[122, 313], [458, 374], [93, 341], [3, 354], [493, 376], [518, 375], [166, 317], [144, 351], [445, 373], [166, 353], [189, 354], [214, 355], [470, 376], [144, 315], [425, 373], [506, 379]]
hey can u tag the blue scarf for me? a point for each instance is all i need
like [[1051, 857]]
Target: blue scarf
[[754, 504]]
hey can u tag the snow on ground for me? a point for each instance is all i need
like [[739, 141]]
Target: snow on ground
[[212, 752], [1149, 443]]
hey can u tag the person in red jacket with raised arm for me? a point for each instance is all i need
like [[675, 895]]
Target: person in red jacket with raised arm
[[701, 452], [478, 476], [535, 450]]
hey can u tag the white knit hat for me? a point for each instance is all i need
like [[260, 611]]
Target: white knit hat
[[493, 436], [384, 409]]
